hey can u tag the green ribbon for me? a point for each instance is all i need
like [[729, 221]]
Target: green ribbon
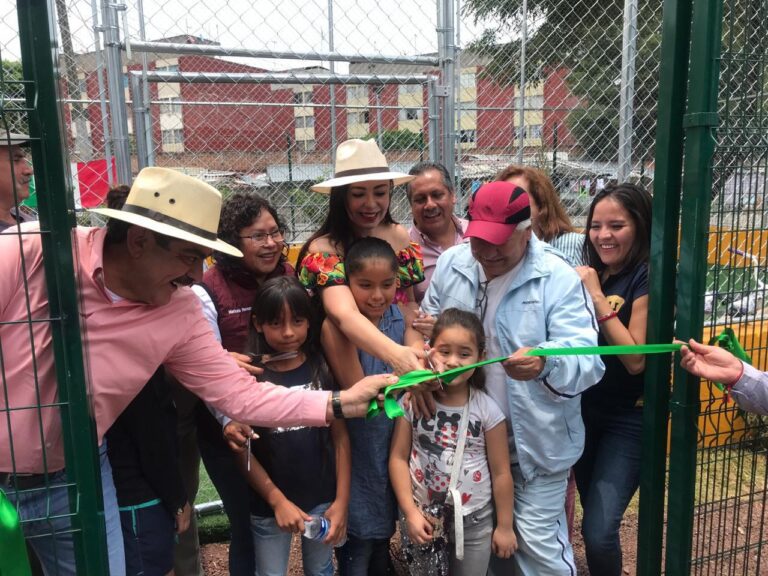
[[727, 339], [13, 550], [606, 350], [393, 410]]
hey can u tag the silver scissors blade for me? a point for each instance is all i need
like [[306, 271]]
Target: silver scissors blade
[[432, 367], [267, 358]]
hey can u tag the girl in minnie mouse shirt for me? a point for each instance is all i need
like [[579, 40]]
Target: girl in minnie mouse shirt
[[423, 460]]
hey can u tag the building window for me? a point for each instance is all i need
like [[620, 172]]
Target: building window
[[170, 105], [404, 89], [309, 145], [82, 88], [533, 131], [530, 102], [174, 136], [357, 117], [467, 80], [305, 121], [302, 98], [410, 114], [170, 68], [125, 81], [357, 92], [468, 136]]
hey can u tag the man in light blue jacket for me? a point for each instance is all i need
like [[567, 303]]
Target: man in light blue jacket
[[527, 296]]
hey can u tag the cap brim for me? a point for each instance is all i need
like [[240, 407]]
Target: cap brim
[[168, 230], [493, 232], [397, 178]]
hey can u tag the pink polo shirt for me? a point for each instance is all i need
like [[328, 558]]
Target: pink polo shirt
[[430, 252], [124, 344]]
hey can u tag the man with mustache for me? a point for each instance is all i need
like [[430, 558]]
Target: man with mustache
[[137, 314], [435, 227], [15, 175]]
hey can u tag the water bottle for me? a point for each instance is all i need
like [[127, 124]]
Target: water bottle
[[316, 528]]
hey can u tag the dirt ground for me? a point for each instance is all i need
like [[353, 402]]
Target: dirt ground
[[215, 555]]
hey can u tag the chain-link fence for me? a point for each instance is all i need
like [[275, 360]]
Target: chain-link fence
[[730, 534], [257, 95]]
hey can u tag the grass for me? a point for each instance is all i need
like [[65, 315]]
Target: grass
[[214, 528]]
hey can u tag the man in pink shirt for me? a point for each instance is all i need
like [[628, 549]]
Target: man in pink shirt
[[435, 227], [137, 314]]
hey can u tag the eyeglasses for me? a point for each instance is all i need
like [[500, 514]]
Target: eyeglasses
[[481, 301], [261, 237]]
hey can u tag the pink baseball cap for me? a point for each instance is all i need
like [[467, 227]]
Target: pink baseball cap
[[496, 210]]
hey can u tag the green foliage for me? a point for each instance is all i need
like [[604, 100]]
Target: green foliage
[[12, 118], [398, 140], [588, 44]]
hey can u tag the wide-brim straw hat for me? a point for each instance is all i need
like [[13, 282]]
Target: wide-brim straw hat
[[13, 139], [360, 161], [176, 205]]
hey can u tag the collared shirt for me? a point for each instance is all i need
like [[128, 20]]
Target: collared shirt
[[124, 343], [430, 252]]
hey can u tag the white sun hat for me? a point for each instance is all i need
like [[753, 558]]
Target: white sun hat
[[360, 161]]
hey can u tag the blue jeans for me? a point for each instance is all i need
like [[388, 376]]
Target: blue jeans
[[272, 548], [45, 517], [607, 476], [359, 557], [148, 535]]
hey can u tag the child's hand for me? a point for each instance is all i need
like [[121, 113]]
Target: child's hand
[[289, 517], [419, 528], [504, 542], [337, 516]]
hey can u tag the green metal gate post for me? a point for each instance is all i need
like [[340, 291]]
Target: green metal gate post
[[699, 124], [663, 259], [55, 204]]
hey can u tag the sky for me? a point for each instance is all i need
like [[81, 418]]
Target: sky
[[404, 27]]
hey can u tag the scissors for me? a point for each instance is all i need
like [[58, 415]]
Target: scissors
[[432, 367], [267, 358]]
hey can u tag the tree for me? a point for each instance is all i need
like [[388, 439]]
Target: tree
[[585, 38], [12, 117], [398, 140]]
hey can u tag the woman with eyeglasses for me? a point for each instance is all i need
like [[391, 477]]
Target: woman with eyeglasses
[[249, 222]]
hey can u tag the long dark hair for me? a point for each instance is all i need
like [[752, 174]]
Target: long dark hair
[[337, 225], [451, 317], [268, 307], [238, 212], [369, 248], [638, 204]]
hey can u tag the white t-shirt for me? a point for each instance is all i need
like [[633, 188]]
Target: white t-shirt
[[495, 377], [434, 445]]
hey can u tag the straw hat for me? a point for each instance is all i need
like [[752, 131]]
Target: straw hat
[[13, 139], [360, 161], [176, 205]]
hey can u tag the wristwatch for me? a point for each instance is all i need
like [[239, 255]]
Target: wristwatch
[[336, 404]]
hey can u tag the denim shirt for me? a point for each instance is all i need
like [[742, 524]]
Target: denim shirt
[[372, 503], [546, 306]]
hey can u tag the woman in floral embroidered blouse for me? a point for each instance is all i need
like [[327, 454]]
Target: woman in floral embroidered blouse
[[360, 194]]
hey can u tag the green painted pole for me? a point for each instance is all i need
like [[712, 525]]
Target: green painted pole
[[673, 79], [55, 209], [699, 124]]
